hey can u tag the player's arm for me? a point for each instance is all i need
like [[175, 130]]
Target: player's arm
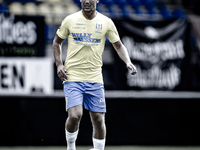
[[57, 51], [123, 54]]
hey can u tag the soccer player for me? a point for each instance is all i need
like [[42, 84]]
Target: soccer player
[[81, 73]]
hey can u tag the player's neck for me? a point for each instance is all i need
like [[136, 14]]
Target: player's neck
[[89, 15]]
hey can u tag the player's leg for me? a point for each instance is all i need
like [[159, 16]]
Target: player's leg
[[72, 125], [74, 117], [99, 129], [74, 100], [94, 101]]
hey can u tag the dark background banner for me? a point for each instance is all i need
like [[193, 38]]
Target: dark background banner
[[22, 35], [161, 51], [41, 121]]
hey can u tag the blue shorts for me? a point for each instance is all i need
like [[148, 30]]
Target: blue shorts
[[91, 95]]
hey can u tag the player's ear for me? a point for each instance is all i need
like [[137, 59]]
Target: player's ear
[[97, 1]]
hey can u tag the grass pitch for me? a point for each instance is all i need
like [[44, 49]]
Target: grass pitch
[[106, 148]]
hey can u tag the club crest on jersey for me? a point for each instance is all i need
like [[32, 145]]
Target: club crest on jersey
[[99, 27]]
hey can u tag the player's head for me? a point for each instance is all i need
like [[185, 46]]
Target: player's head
[[89, 5]]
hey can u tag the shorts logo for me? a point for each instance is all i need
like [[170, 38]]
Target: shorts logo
[[99, 27], [102, 100]]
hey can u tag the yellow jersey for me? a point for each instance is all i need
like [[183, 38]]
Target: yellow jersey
[[86, 41]]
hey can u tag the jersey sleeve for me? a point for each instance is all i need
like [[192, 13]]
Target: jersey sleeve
[[112, 33], [63, 31]]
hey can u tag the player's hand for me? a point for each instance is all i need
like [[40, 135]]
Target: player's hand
[[61, 71], [132, 68]]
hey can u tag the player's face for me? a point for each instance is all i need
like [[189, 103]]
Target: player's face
[[89, 5]]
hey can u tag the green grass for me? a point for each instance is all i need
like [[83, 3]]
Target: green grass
[[107, 148]]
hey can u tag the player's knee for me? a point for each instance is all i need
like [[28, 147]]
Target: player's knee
[[99, 121], [76, 117]]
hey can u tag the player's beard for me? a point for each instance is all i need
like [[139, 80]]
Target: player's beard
[[90, 8], [87, 9]]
